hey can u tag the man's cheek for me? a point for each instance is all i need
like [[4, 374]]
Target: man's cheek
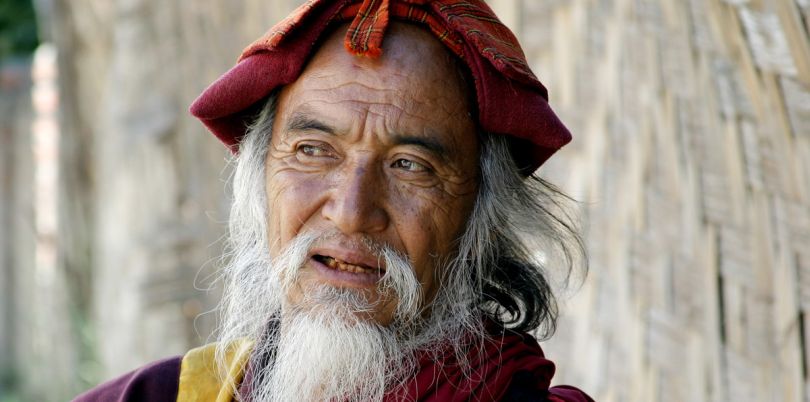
[[289, 207]]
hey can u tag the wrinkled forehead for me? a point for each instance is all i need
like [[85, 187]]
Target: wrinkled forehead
[[411, 55], [416, 86]]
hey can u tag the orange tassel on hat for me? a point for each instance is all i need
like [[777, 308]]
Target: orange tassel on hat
[[367, 30]]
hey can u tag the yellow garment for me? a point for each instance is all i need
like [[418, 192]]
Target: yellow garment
[[202, 381]]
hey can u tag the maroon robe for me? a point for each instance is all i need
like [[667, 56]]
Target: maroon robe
[[508, 368]]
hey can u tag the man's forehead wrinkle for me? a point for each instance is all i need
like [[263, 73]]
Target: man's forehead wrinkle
[[396, 110], [332, 77], [394, 92], [390, 113], [335, 83]]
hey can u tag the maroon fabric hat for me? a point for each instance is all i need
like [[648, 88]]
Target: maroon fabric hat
[[511, 101]]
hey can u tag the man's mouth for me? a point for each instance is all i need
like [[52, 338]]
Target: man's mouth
[[339, 265]]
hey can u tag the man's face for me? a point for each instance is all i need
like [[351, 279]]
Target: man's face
[[373, 149]]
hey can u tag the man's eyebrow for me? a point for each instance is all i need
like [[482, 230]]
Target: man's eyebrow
[[302, 121], [305, 122], [429, 144]]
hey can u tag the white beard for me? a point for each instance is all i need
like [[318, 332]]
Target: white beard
[[323, 350], [325, 355]]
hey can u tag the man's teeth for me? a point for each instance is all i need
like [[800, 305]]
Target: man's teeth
[[342, 266]]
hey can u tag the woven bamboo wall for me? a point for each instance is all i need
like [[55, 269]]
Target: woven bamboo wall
[[692, 159], [16, 245]]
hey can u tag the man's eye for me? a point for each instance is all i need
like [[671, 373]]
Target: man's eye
[[312, 150], [409, 165]]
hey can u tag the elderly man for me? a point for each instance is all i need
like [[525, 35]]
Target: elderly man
[[386, 231]]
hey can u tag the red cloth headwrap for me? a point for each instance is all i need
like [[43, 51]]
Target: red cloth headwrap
[[510, 99]]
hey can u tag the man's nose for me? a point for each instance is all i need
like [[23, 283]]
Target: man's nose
[[356, 203]]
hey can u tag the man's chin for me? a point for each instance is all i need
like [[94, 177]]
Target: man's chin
[[326, 351], [352, 304]]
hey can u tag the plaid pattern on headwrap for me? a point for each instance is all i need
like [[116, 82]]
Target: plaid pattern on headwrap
[[476, 24], [368, 27], [366, 35], [510, 99]]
